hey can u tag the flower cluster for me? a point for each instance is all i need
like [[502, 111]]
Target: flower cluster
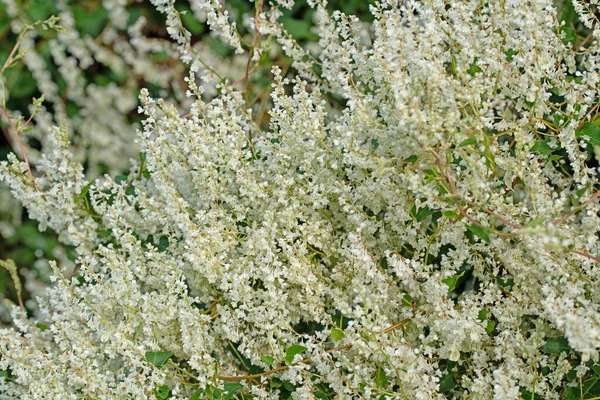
[[418, 219]]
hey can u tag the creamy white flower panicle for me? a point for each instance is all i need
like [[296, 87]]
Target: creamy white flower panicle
[[434, 236]]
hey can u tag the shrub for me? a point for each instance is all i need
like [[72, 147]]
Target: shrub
[[419, 218]]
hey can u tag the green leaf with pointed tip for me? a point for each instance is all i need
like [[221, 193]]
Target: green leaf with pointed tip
[[448, 382], [451, 281], [381, 379], [541, 146], [411, 159], [230, 389], [556, 345], [483, 233], [482, 316], [468, 142], [42, 327], [337, 334], [267, 360], [423, 213], [291, 352], [450, 214], [158, 358], [590, 132], [490, 326]]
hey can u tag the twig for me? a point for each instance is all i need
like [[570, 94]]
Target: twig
[[10, 56], [305, 360], [585, 254], [20, 143], [577, 209]]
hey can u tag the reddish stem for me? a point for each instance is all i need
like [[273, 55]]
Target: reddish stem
[[18, 139]]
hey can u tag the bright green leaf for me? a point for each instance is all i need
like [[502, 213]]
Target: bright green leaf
[[41, 327], [163, 392], [158, 358], [451, 281], [468, 142], [482, 316], [450, 214], [490, 326], [541, 146], [381, 379], [267, 360], [291, 352], [337, 334], [592, 132]]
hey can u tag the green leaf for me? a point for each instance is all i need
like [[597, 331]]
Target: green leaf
[[407, 300], [591, 387], [596, 369], [482, 316], [381, 379], [163, 243], [163, 392], [592, 132], [448, 382], [267, 360], [337, 334], [510, 53], [121, 179], [411, 159], [541, 146], [231, 388], [453, 66], [473, 68], [468, 142], [158, 358], [568, 14], [570, 34], [556, 345], [450, 214], [423, 213], [451, 281], [573, 393], [483, 233], [490, 326], [197, 395], [291, 352], [535, 222], [41, 327]]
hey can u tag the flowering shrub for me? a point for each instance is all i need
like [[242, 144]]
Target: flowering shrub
[[418, 220]]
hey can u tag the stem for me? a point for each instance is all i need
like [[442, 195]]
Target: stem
[[20, 143], [10, 56], [304, 361]]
